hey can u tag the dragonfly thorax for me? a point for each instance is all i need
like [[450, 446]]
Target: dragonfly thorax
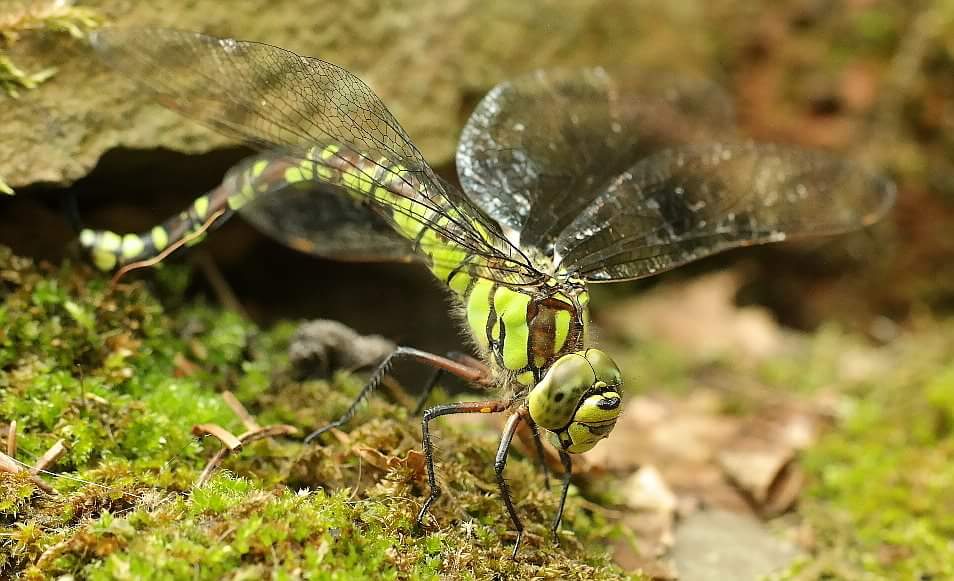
[[522, 330]]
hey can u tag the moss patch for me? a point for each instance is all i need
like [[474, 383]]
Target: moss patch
[[882, 497], [121, 380]]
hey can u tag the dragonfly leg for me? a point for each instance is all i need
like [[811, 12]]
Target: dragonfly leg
[[439, 372], [441, 363], [567, 474], [470, 407], [538, 446], [499, 464]]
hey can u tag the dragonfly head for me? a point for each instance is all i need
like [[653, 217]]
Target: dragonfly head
[[578, 400]]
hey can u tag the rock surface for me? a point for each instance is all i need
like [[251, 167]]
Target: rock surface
[[715, 545], [429, 60]]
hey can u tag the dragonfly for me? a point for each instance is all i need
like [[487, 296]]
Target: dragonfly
[[567, 178]]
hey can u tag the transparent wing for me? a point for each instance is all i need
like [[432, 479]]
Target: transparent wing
[[320, 219], [685, 203], [537, 150], [279, 101]]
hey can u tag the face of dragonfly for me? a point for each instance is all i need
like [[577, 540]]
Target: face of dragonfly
[[578, 400]]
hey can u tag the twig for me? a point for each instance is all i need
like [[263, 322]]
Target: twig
[[268, 432], [8, 464], [12, 439], [397, 392], [165, 253], [49, 457], [236, 406], [250, 436], [11, 466], [210, 467], [54, 552], [220, 286], [223, 435]]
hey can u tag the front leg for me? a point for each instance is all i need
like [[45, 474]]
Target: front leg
[[499, 464], [482, 376], [472, 407], [441, 363], [567, 474]]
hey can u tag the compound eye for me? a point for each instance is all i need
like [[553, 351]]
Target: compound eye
[[599, 409], [605, 368], [554, 400]]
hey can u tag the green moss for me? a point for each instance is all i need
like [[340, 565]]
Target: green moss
[[882, 497], [59, 17], [121, 380], [13, 79]]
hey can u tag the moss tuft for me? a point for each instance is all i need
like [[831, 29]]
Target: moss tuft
[[882, 497]]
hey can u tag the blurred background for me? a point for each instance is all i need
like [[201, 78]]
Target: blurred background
[[866, 79]]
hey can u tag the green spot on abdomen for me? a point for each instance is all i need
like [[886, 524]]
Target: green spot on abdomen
[[104, 259], [87, 237], [132, 246], [160, 238], [294, 175], [201, 206], [110, 241]]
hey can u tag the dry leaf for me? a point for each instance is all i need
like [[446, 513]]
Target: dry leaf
[[414, 460]]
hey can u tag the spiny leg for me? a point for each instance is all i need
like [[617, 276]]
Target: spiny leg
[[463, 359], [567, 474], [470, 407], [499, 464], [477, 364], [441, 363]]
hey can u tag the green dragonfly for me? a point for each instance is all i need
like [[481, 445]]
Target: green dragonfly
[[568, 178]]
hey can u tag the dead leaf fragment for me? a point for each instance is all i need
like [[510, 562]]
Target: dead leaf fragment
[[413, 460], [769, 475]]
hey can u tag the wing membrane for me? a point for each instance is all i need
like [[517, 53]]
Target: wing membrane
[[318, 218], [296, 106], [685, 203], [537, 150]]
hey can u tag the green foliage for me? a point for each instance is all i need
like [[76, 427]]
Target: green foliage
[[122, 381]]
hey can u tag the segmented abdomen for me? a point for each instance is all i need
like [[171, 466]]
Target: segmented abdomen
[[408, 200], [110, 250]]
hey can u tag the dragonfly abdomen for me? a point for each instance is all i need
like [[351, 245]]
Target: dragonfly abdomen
[[241, 185], [425, 218], [110, 249]]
